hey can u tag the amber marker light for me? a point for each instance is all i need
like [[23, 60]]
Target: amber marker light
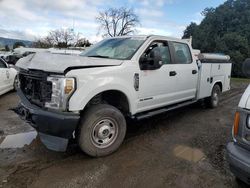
[[236, 123], [69, 86]]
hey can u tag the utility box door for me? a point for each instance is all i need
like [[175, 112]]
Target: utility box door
[[204, 83]]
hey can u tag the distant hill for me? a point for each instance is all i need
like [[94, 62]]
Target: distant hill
[[10, 42]]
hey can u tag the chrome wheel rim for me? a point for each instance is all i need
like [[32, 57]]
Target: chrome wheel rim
[[104, 133]]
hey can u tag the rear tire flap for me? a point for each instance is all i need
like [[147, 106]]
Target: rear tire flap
[[109, 117]]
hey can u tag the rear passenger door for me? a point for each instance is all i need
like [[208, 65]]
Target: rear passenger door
[[185, 71]]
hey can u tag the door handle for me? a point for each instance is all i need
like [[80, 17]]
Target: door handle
[[194, 71], [172, 73]]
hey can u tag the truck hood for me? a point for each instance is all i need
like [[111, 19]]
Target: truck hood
[[245, 99], [60, 63]]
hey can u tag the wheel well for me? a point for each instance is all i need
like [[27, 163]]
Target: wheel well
[[219, 84], [114, 98]]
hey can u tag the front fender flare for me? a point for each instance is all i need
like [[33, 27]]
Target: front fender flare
[[84, 94]]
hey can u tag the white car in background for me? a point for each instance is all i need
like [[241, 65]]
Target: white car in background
[[8, 78]]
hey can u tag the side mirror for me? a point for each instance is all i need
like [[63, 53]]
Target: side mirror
[[246, 68], [152, 61]]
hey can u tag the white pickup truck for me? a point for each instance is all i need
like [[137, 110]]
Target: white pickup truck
[[88, 97]]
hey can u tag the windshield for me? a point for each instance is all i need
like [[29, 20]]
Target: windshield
[[115, 48]]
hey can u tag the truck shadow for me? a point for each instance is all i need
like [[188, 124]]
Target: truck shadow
[[136, 128]]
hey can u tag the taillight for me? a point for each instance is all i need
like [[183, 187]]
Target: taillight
[[236, 124]]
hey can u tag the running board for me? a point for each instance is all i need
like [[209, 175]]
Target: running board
[[162, 110]]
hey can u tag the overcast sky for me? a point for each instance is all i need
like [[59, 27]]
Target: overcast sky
[[31, 19]]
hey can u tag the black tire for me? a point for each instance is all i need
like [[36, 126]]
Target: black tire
[[214, 99], [102, 130], [15, 84], [240, 183]]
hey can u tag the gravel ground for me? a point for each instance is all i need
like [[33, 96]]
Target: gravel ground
[[184, 148]]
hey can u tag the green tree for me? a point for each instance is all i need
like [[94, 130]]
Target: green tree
[[18, 44], [224, 29], [190, 30]]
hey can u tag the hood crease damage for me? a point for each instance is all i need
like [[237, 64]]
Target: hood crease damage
[[57, 63]]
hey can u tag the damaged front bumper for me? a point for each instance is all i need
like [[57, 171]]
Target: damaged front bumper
[[54, 128]]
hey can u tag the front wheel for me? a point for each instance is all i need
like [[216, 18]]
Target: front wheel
[[102, 130], [214, 99]]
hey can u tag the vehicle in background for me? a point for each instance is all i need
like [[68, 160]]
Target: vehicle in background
[[8, 77], [20, 52], [88, 97], [12, 57], [238, 151], [23, 51], [66, 51]]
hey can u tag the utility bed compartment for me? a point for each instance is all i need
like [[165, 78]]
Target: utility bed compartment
[[213, 68]]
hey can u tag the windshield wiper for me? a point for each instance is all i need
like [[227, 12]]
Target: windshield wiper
[[99, 56]]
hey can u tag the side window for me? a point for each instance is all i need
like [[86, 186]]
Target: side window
[[162, 48], [2, 64], [182, 53]]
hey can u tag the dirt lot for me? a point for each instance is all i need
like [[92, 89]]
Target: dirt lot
[[184, 148]]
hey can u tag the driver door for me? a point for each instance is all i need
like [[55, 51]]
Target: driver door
[[157, 87]]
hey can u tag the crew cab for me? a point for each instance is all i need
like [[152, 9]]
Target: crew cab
[[8, 78], [89, 97], [238, 151]]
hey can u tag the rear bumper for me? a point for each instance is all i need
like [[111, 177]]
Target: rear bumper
[[54, 128], [239, 161]]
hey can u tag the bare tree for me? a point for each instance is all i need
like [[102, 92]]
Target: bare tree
[[61, 38], [117, 21], [45, 42], [82, 42]]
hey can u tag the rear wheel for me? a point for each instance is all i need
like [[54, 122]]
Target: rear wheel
[[102, 130], [214, 99]]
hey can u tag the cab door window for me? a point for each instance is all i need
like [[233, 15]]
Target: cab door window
[[182, 53], [160, 48]]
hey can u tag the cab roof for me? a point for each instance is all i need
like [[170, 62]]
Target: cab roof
[[156, 37]]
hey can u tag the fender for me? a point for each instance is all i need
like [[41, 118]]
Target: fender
[[86, 92], [245, 99], [216, 82]]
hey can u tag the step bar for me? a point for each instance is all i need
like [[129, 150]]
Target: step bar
[[149, 114]]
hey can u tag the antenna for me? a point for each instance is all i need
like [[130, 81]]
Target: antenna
[[73, 26]]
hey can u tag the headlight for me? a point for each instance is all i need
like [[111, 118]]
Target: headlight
[[62, 89]]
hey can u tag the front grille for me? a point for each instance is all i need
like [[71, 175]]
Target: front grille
[[35, 87]]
